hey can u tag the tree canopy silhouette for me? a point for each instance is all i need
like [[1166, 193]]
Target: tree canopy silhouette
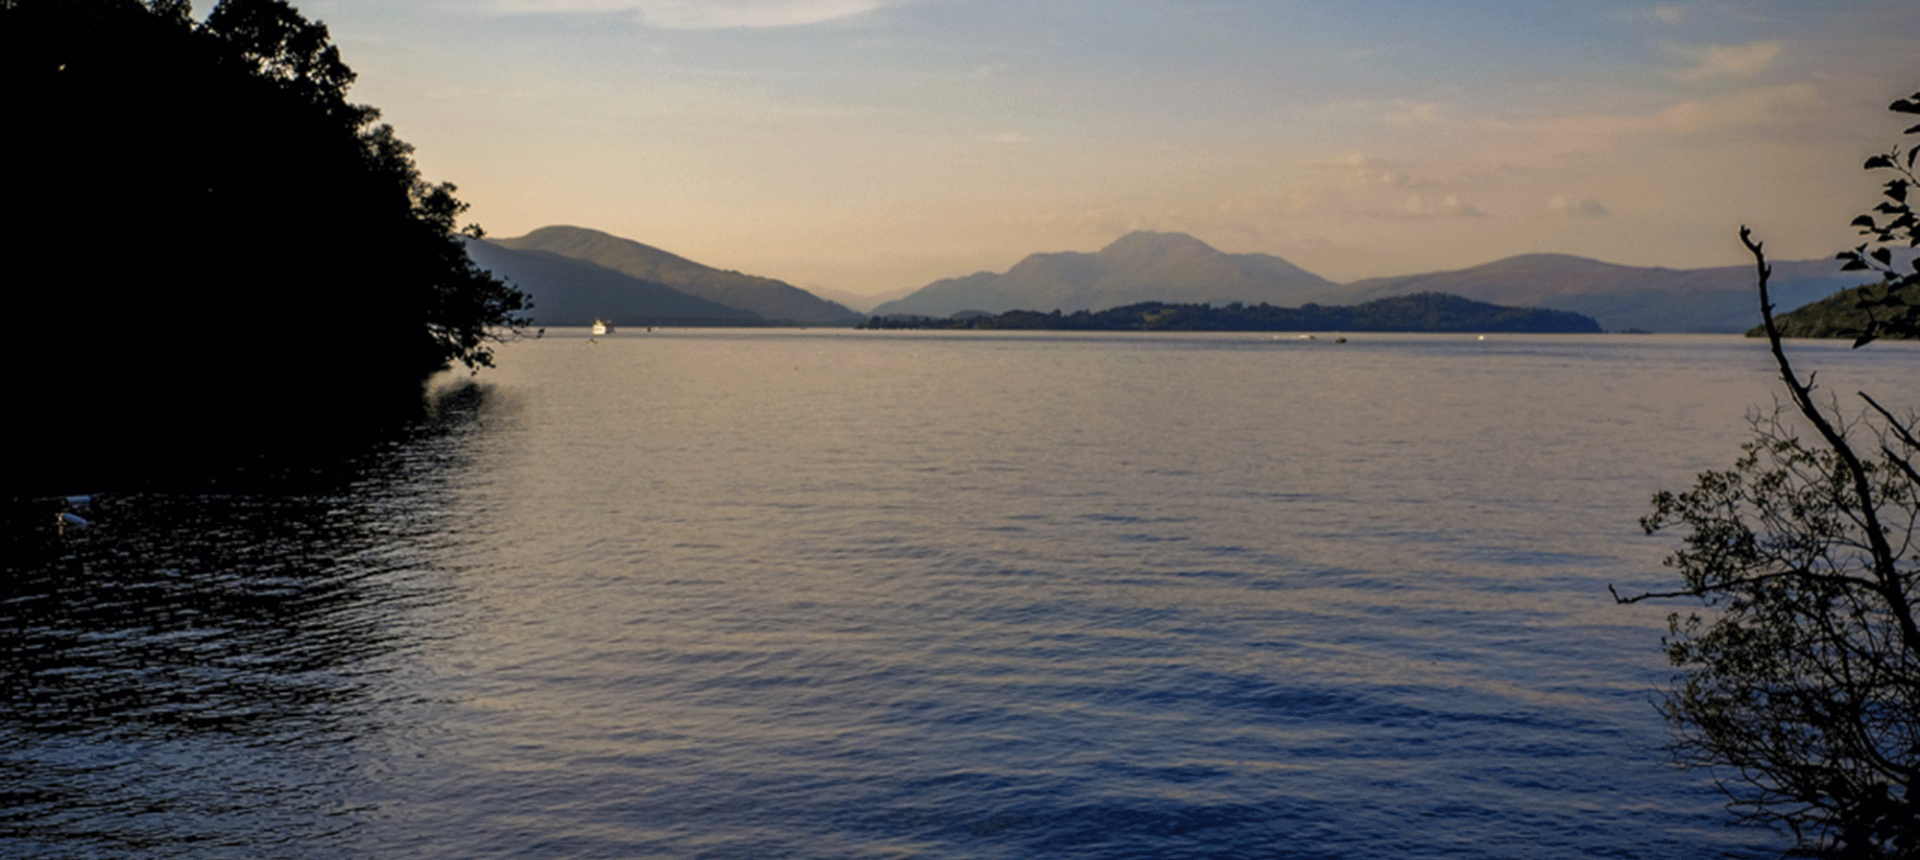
[[1801, 673], [228, 256], [1889, 313]]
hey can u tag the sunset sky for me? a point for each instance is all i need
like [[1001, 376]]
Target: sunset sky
[[876, 145]]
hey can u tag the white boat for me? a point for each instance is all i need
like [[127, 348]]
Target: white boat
[[601, 327]]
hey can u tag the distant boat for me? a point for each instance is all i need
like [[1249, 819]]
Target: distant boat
[[601, 327]]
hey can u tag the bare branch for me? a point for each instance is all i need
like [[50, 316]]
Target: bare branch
[[1884, 567]]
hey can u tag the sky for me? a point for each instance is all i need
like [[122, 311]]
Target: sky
[[874, 146]]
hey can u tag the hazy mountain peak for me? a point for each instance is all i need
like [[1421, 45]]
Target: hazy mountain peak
[[1147, 246], [769, 298], [586, 243], [1140, 266], [1556, 263], [571, 292]]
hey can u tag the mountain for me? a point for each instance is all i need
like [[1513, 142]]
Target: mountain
[[1420, 312], [569, 292], [1138, 267], [772, 300], [1718, 299], [1174, 267], [860, 302]]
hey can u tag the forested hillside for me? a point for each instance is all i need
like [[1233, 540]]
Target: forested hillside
[[1424, 312], [242, 264]]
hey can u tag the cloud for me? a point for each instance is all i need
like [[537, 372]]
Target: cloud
[[1727, 61], [1361, 171], [1592, 138], [1262, 204], [1105, 221], [1356, 160], [1419, 207], [1671, 15], [1008, 137], [1415, 113], [1747, 108], [1401, 113], [1588, 208], [705, 14]]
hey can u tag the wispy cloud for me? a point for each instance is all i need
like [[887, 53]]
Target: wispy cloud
[[1588, 208], [1415, 113], [1420, 207], [1539, 141], [1359, 170], [1727, 61], [1263, 204], [705, 14], [1103, 223], [1744, 109]]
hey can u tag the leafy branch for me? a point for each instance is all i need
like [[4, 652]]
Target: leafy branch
[[1801, 676], [1896, 223]]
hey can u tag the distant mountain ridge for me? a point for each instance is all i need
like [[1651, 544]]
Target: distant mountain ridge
[[771, 300], [1175, 267], [577, 274], [1138, 267], [1419, 312], [1716, 299], [570, 292]]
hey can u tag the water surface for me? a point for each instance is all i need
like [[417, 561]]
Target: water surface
[[730, 594]]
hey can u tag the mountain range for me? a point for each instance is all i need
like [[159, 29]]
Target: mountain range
[[1175, 267], [570, 292], [576, 275], [1716, 299], [1422, 312], [1139, 267]]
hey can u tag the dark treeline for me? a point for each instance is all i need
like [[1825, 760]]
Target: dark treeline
[[1422, 312], [1850, 313], [233, 261]]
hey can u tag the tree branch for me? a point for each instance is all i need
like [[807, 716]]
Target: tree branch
[[1884, 568], [1745, 581]]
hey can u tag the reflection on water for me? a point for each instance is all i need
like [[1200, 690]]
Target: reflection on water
[[187, 675], [862, 595]]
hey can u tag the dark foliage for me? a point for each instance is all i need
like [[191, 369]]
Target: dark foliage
[[233, 261], [1422, 312], [1892, 310], [1801, 681], [1851, 313]]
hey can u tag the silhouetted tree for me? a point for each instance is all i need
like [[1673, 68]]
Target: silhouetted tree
[[1890, 314], [1801, 687], [232, 258]]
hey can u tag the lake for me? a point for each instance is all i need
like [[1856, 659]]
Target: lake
[[839, 594]]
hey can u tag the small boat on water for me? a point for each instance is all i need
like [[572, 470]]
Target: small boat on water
[[601, 327]]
